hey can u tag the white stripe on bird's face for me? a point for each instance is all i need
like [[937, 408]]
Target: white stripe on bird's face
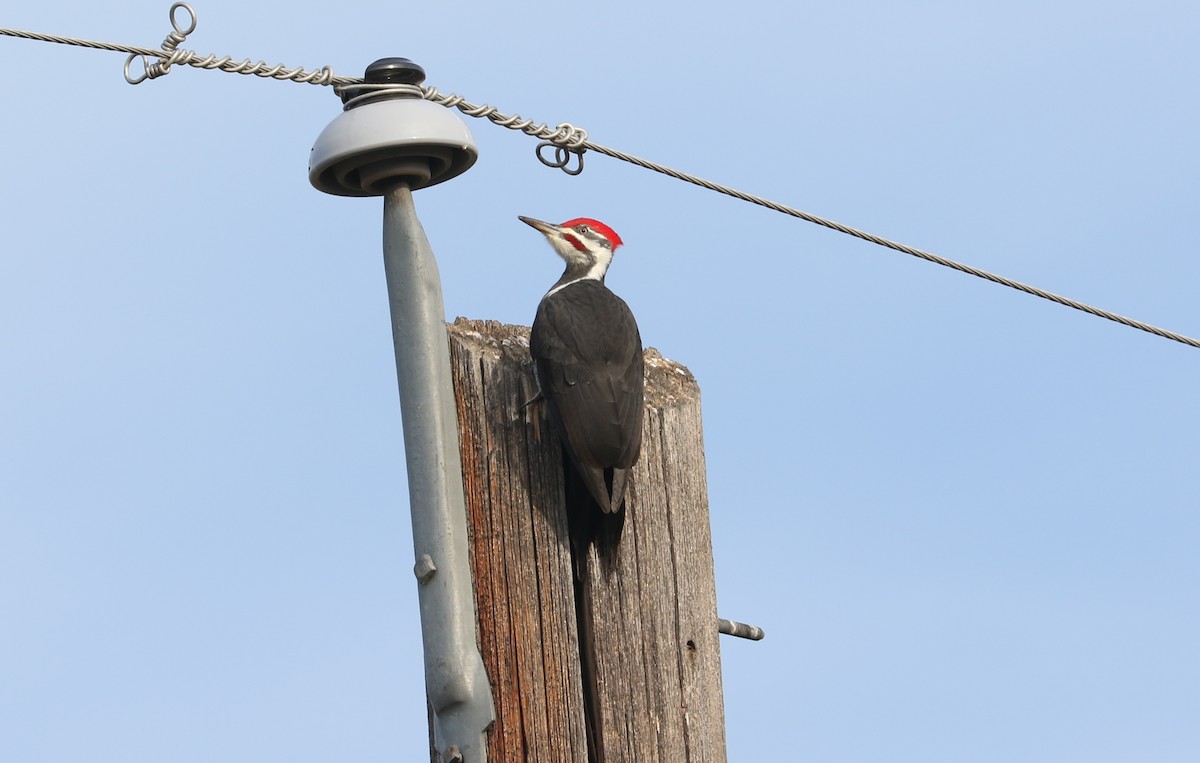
[[584, 250]]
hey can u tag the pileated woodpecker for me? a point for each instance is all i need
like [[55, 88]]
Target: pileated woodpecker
[[588, 357]]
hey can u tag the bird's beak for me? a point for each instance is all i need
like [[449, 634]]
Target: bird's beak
[[544, 227]]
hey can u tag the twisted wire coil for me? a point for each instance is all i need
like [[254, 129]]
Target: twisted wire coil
[[567, 141]]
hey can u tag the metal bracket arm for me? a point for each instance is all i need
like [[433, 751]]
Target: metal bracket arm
[[455, 678]]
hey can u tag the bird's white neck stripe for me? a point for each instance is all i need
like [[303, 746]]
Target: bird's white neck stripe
[[562, 286]]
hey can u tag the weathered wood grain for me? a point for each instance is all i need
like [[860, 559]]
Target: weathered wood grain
[[652, 652]]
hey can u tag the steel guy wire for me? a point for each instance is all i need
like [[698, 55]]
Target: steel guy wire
[[170, 55], [569, 142]]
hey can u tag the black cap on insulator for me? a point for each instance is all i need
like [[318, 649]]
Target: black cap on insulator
[[394, 71], [385, 71]]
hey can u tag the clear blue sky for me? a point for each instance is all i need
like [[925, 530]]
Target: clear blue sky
[[967, 518]]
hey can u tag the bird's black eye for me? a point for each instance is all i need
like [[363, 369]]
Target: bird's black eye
[[583, 229]]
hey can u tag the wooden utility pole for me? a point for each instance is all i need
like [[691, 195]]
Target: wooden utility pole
[[645, 686]]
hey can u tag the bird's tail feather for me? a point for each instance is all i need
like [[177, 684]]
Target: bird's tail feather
[[589, 525]]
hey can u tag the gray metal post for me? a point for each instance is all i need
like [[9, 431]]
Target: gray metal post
[[388, 142], [455, 678]]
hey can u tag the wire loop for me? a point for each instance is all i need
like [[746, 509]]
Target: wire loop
[[191, 26], [170, 46], [562, 157], [567, 141]]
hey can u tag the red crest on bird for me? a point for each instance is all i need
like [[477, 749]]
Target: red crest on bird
[[599, 227]]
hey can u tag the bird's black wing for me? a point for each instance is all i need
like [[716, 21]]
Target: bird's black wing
[[588, 350]]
